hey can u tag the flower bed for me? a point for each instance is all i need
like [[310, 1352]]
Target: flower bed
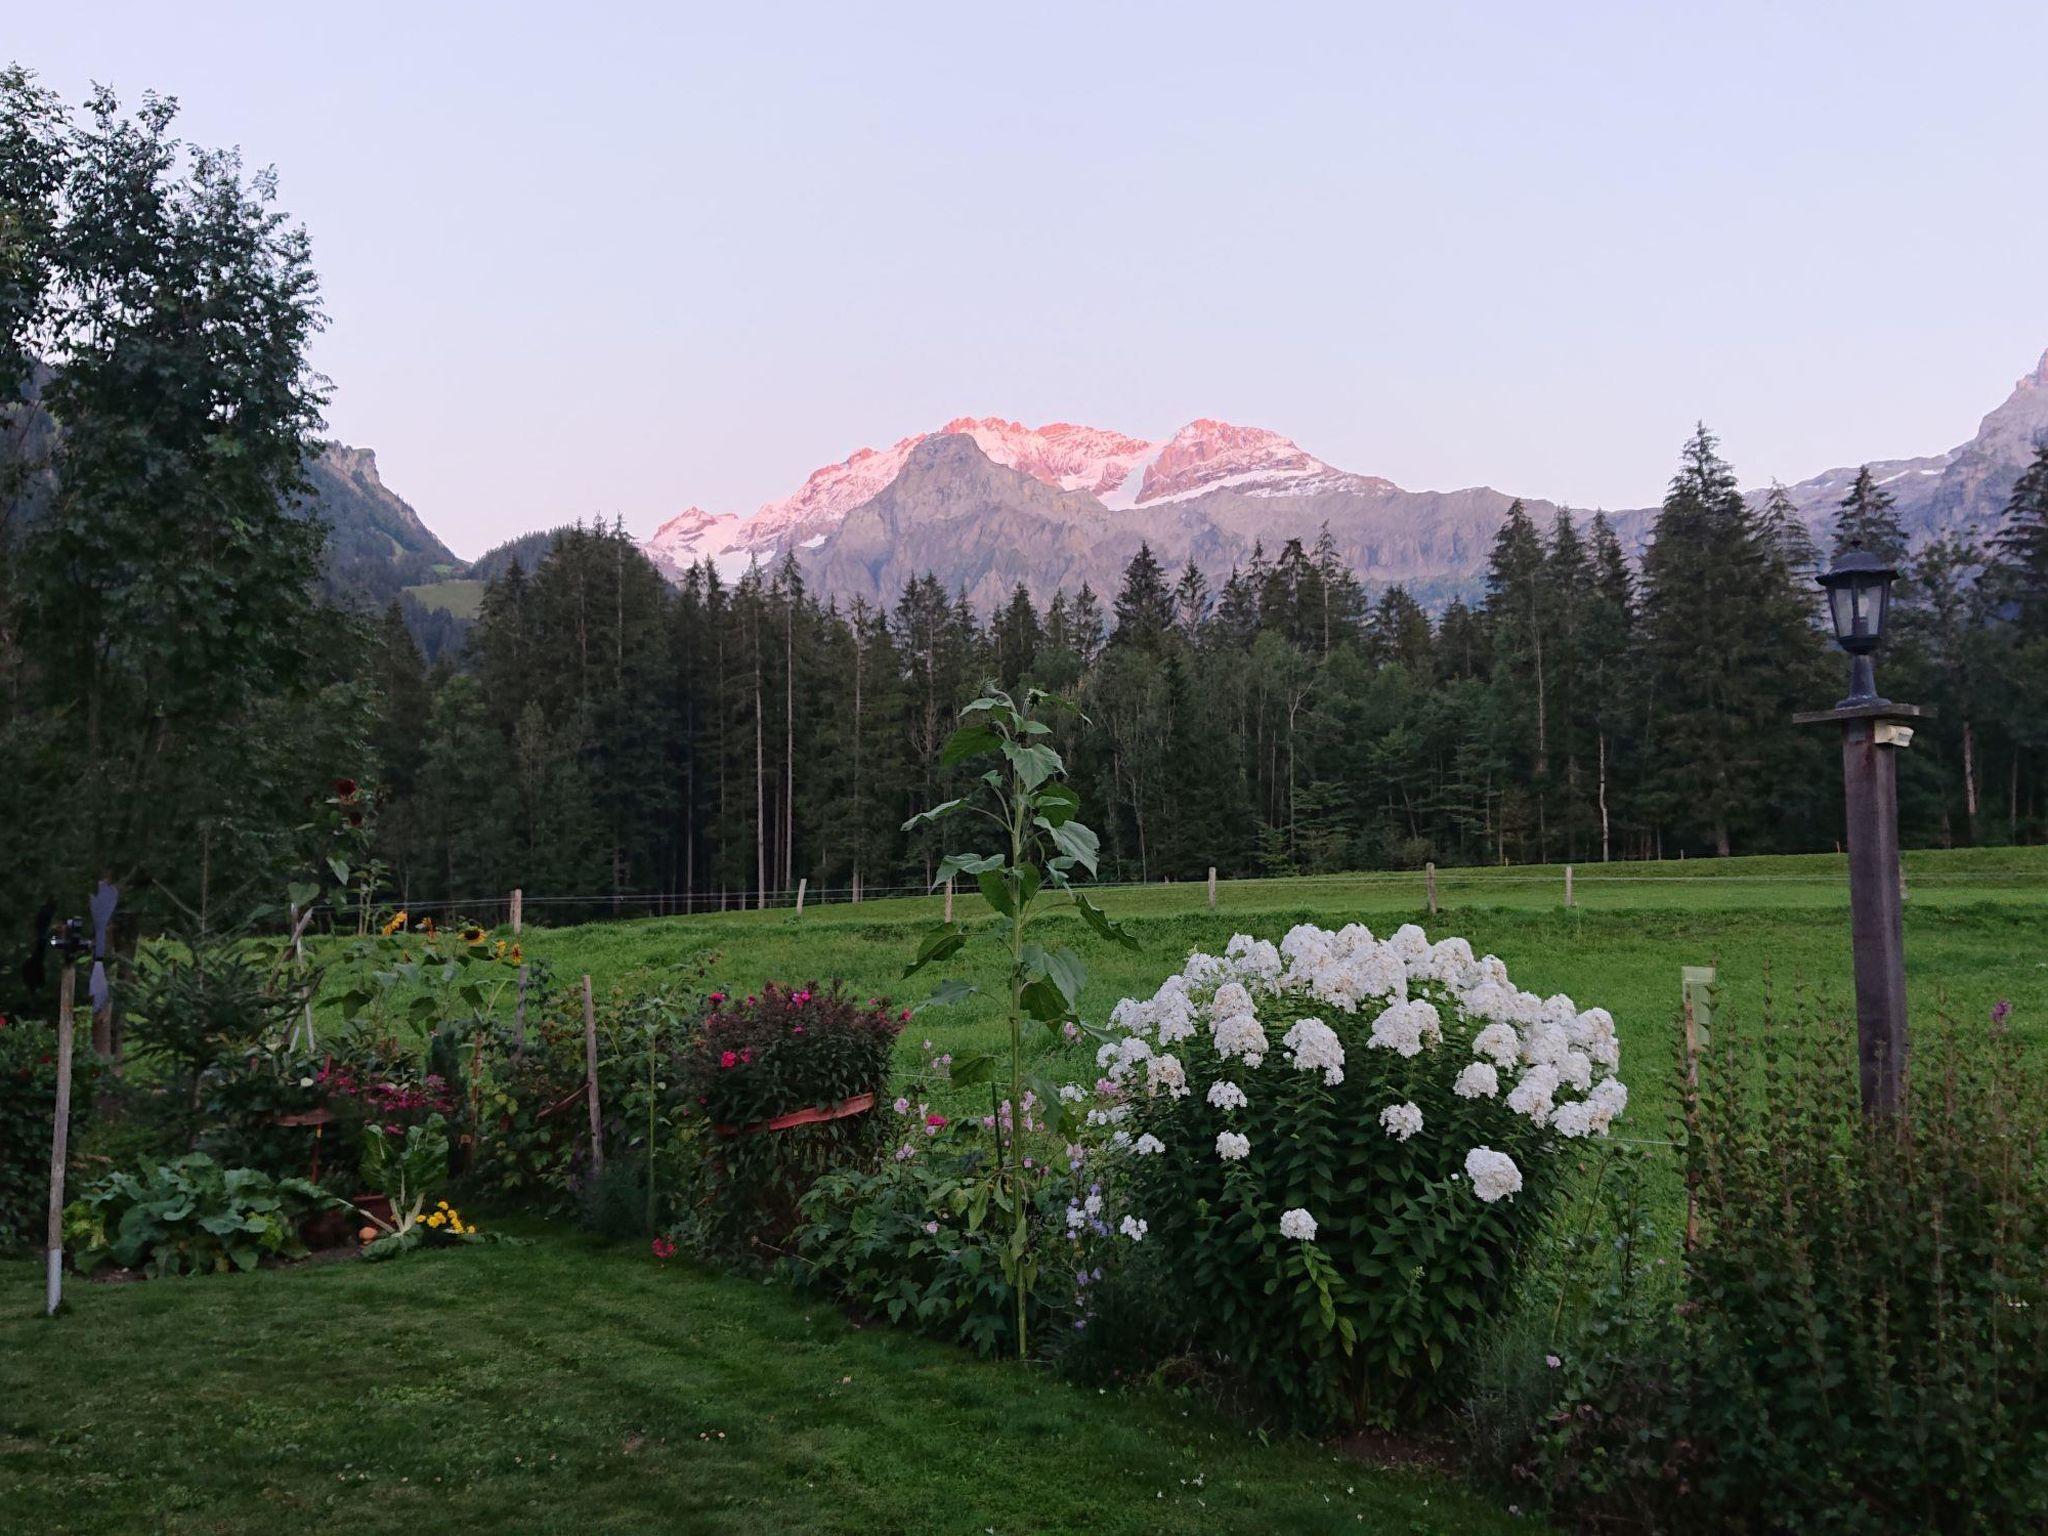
[[786, 1079], [1342, 1144]]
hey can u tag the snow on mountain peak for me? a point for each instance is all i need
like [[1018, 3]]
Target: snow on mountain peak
[[1205, 454], [1120, 470]]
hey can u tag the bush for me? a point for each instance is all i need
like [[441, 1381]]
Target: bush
[[189, 1216], [771, 1054], [203, 999], [1870, 1301], [28, 1105], [1346, 1219]]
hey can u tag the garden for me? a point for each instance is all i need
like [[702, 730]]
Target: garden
[[1081, 1210]]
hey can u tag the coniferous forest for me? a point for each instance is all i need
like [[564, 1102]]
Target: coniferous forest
[[606, 733]]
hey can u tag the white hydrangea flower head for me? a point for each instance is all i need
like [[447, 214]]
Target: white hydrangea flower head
[[1499, 1043], [1401, 1121], [1297, 1223], [1405, 1028], [1575, 1070], [1314, 1047], [1165, 1071], [1232, 1146], [1493, 1174], [1535, 1094], [1148, 1145], [1254, 959], [1224, 1094], [1573, 1120], [1478, 1081]]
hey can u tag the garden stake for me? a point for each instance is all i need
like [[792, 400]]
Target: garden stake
[[60, 1135], [590, 1078]]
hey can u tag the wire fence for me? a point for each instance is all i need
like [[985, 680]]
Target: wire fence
[[1426, 887]]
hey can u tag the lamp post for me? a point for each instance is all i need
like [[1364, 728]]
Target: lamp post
[[1859, 589]]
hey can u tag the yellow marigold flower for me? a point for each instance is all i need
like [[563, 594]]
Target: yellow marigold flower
[[396, 922]]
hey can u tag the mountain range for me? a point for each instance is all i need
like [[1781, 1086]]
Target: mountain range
[[986, 504]]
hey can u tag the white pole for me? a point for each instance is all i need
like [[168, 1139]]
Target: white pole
[[949, 901], [518, 910], [60, 1136], [1429, 884], [1567, 885], [801, 886], [1212, 887]]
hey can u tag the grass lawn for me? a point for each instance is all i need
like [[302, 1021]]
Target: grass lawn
[[567, 1387], [1976, 932]]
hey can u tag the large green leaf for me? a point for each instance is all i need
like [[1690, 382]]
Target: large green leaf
[[1077, 842], [1056, 804], [1102, 923], [1033, 762], [939, 942], [995, 890], [933, 814], [964, 864], [947, 993], [1062, 967], [969, 741]]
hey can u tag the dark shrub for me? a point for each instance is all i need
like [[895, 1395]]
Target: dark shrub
[[1869, 1301], [28, 1101], [773, 1054]]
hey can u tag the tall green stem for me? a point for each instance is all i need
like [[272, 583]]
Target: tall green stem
[[1018, 806]]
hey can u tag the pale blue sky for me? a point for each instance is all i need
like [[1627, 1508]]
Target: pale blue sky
[[622, 258]]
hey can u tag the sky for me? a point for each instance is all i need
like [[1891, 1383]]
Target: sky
[[617, 259]]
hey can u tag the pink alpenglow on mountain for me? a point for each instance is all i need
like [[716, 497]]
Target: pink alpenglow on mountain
[[1204, 454]]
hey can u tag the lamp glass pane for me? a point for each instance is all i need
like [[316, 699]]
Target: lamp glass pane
[[1868, 596], [1839, 611]]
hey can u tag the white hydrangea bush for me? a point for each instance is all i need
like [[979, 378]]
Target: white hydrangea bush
[[1336, 1146]]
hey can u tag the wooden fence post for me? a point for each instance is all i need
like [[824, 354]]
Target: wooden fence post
[[590, 1076], [1429, 885], [518, 911], [60, 1136], [801, 886], [1696, 997], [1568, 885], [1212, 887], [949, 901]]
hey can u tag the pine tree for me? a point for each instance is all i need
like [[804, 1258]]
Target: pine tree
[[1191, 603], [1144, 608], [2021, 547], [1867, 520]]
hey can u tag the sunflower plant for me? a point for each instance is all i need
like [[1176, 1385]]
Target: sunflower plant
[[1040, 848]]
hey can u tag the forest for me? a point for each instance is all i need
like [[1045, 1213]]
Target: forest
[[604, 733]]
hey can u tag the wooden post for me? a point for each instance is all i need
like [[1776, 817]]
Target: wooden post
[[1429, 885], [949, 901], [1568, 885], [1696, 1000], [518, 911], [1877, 936], [519, 1014], [1212, 887], [60, 1137], [590, 1076], [801, 886]]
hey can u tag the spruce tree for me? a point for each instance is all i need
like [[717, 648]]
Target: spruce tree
[[1144, 608], [1867, 520]]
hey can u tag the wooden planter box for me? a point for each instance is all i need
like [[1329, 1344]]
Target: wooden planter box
[[859, 1104]]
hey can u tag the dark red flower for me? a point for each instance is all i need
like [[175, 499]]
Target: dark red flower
[[346, 788]]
